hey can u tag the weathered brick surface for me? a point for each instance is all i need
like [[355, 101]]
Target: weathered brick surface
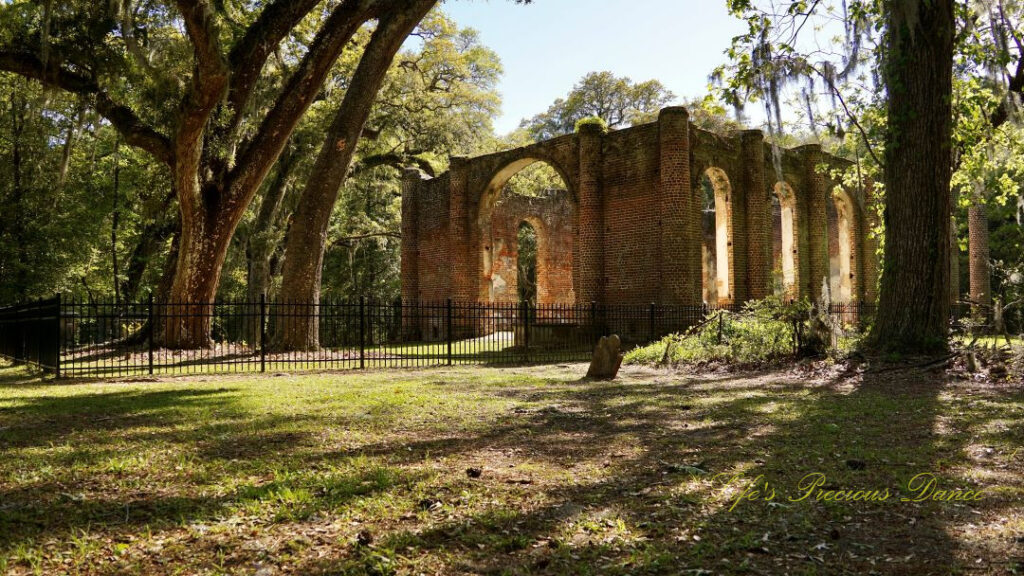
[[551, 215], [680, 209], [590, 225], [815, 221], [631, 234], [756, 196], [628, 229]]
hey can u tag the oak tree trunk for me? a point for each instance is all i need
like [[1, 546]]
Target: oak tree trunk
[[913, 311], [152, 238], [263, 242], [306, 241], [188, 312]]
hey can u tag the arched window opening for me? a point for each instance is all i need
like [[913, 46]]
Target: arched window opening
[[527, 264], [784, 240], [841, 252], [717, 246]]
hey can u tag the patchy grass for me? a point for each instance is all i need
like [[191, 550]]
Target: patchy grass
[[991, 341], [367, 474]]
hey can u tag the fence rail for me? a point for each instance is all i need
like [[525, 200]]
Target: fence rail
[[84, 338]]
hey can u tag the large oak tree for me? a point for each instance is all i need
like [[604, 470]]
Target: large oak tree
[[199, 119], [913, 306]]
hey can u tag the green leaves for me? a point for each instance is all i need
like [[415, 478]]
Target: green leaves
[[618, 101]]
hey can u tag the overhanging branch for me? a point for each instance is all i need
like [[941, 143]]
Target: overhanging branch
[[135, 132]]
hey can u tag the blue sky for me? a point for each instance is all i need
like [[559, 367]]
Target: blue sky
[[548, 45]]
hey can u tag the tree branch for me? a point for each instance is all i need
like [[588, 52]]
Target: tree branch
[[202, 32], [394, 160], [1016, 86], [850, 115], [302, 88], [209, 84], [347, 240], [250, 54], [135, 132]]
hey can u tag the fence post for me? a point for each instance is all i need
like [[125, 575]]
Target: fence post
[[362, 332], [652, 334], [19, 339], [152, 332], [448, 328], [57, 343], [721, 319], [263, 332], [593, 322], [526, 330]]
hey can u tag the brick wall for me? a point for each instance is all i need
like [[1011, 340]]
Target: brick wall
[[629, 228]]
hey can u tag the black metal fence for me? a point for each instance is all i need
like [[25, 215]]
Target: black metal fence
[[77, 338], [29, 334]]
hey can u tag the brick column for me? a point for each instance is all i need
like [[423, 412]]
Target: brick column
[[463, 284], [590, 234], [815, 223], [978, 252], [411, 179], [857, 235], [680, 241], [757, 219]]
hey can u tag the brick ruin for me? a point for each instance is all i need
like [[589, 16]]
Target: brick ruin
[[663, 213]]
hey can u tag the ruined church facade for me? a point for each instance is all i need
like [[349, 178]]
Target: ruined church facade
[[663, 213]]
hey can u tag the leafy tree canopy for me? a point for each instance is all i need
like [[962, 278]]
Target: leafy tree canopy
[[618, 101]]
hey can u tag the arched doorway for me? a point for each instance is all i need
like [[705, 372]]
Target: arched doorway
[[784, 241], [716, 248], [526, 276], [841, 246], [527, 213]]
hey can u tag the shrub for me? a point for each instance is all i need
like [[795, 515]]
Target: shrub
[[763, 331], [592, 121]]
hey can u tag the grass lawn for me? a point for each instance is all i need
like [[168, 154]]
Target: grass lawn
[[367, 473]]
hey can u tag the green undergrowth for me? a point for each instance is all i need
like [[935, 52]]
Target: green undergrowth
[[763, 331]]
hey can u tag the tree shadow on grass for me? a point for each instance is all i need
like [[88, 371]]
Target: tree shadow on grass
[[650, 515], [21, 376], [201, 456], [606, 477]]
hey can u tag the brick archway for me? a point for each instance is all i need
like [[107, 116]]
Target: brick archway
[[844, 254], [636, 233], [717, 226], [553, 216]]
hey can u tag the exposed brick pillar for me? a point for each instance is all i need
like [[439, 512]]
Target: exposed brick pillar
[[680, 213], [870, 272], [857, 235], [816, 219], [591, 221], [757, 208], [981, 276], [410, 235], [464, 277]]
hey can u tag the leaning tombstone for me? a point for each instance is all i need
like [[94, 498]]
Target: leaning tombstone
[[607, 358]]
